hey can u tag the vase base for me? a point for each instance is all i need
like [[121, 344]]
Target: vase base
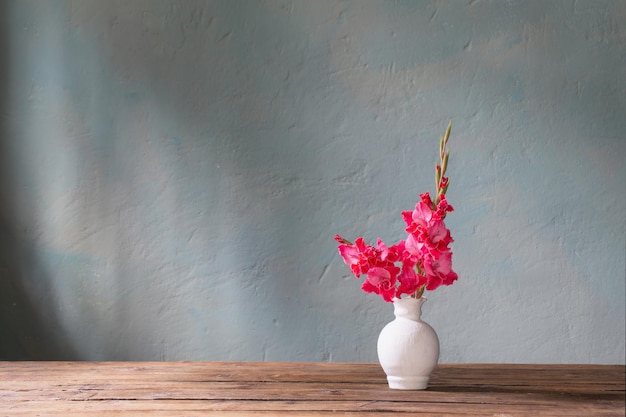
[[408, 382]]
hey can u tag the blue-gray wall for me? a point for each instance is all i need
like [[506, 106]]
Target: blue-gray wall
[[172, 174]]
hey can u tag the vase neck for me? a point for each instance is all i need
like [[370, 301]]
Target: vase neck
[[408, 308]]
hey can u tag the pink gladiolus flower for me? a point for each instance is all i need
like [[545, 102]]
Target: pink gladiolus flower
[[421, 216], [438, 264], [424, 215], [362, 257], [438, 232], [351, 257], [383, 250], [414, 249], [409, 280], [382, 281], [443, 207], [438, 236], [423, 260], [439, 270]]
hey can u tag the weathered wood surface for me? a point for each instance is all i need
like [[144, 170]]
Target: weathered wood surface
[[173, 389]]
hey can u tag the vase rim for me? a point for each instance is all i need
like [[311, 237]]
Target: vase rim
[[403, 300]]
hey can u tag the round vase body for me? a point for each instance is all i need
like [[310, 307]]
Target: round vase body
[[408, 348]]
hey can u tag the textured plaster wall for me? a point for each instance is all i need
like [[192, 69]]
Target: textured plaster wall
[[172, 174]]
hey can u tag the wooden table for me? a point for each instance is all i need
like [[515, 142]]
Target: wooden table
[[73, 389]]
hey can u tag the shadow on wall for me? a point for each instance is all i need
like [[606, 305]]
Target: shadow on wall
[[22, 335]]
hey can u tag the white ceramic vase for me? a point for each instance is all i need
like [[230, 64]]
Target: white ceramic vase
[[408, 348]]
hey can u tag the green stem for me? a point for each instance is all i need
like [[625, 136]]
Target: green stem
[[441, 168], [419, 292]]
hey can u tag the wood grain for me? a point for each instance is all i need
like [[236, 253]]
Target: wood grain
[[304, 389]]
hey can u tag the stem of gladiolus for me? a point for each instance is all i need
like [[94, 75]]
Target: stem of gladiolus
[[443, 165], [419, 292], [438, 176]]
